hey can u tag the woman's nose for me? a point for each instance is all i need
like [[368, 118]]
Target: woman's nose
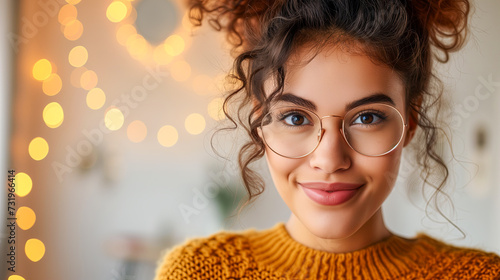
[[332, 153]]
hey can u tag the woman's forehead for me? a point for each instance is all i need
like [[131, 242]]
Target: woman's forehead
[[334, 76]]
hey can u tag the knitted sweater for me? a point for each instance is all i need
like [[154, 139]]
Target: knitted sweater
[[273, 254]]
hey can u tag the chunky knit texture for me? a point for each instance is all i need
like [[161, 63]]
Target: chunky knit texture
[[273, 254]]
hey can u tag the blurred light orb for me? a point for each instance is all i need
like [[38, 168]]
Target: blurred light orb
[[15, 277], [167, 136], [34, 249], [195, 124], [67, 14], [38, 148], [88, 80], [24, 184], [174, 45], [180, 71], [73, 2], [186, 23], [137, 46], [117, 11], [214, 109], [124, 32], [52, 85], [113, 119], [160, 56], [25, 217], [78, 56], [42, 69], [73, 30], [53, 115], [137, 131], [96, 98]]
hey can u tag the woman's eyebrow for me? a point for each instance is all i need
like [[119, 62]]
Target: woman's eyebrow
[[289, 97], [374, 98]]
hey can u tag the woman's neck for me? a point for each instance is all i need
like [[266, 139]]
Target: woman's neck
[[373, 231]]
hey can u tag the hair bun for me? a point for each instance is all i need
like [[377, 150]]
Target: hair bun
[[445, 22]]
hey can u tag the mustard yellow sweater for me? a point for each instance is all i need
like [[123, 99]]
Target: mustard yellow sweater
[[273, 254]]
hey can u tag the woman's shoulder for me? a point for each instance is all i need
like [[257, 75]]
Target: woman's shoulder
[[445, 258], [207, 256]]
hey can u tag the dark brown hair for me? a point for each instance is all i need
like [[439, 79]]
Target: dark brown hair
[[405, 35]]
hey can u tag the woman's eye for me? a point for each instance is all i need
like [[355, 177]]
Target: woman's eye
[[367, 118], [296, 119]]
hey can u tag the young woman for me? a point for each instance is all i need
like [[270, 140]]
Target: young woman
[[331, 92]]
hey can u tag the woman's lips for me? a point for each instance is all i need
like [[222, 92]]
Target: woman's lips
[[330, 193]]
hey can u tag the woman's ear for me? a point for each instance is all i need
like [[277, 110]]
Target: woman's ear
[[412, 121]]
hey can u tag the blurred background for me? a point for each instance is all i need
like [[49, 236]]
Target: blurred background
[[107, 110]]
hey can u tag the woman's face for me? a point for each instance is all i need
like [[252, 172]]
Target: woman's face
[[331, 82]]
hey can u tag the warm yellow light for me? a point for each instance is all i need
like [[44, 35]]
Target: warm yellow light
[[180, 71], [203, 84], [137, 131], [73, 2], [52, 85], [137, 46], [25, 217], [53, 115], [42, 69], [167, 136], [15, 277], [73, 30], [34, 249], [78, 56], [174, 45], [38, 148], [116, 11], [186, 23], [124, 32], [96, 98], [76, 76], [113, 119], [23, 184], [195, 124], [88, 80], [215, 109], [67, 14], [160, 56]]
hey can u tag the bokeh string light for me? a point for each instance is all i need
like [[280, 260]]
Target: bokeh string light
[[167, 54]]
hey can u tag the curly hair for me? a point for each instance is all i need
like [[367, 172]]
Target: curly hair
[[407, 36]]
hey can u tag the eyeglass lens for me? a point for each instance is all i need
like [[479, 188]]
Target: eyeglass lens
[[371, 130]]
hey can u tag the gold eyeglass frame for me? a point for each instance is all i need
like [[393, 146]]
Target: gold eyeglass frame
[[321, 131]]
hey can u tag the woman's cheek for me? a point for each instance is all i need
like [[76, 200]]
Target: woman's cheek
[[382, 171], [283, 170]]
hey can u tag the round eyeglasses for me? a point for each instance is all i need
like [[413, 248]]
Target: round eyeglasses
[[295, 132]]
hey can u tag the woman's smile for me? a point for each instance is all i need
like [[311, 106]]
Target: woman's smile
[[330, 193]]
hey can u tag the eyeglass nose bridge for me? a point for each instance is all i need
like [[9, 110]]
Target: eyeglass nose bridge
[[321, 132]]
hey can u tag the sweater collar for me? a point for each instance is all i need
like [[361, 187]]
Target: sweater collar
[[276, 250]]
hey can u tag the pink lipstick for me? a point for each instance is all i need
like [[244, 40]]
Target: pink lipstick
[[330, 193]]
